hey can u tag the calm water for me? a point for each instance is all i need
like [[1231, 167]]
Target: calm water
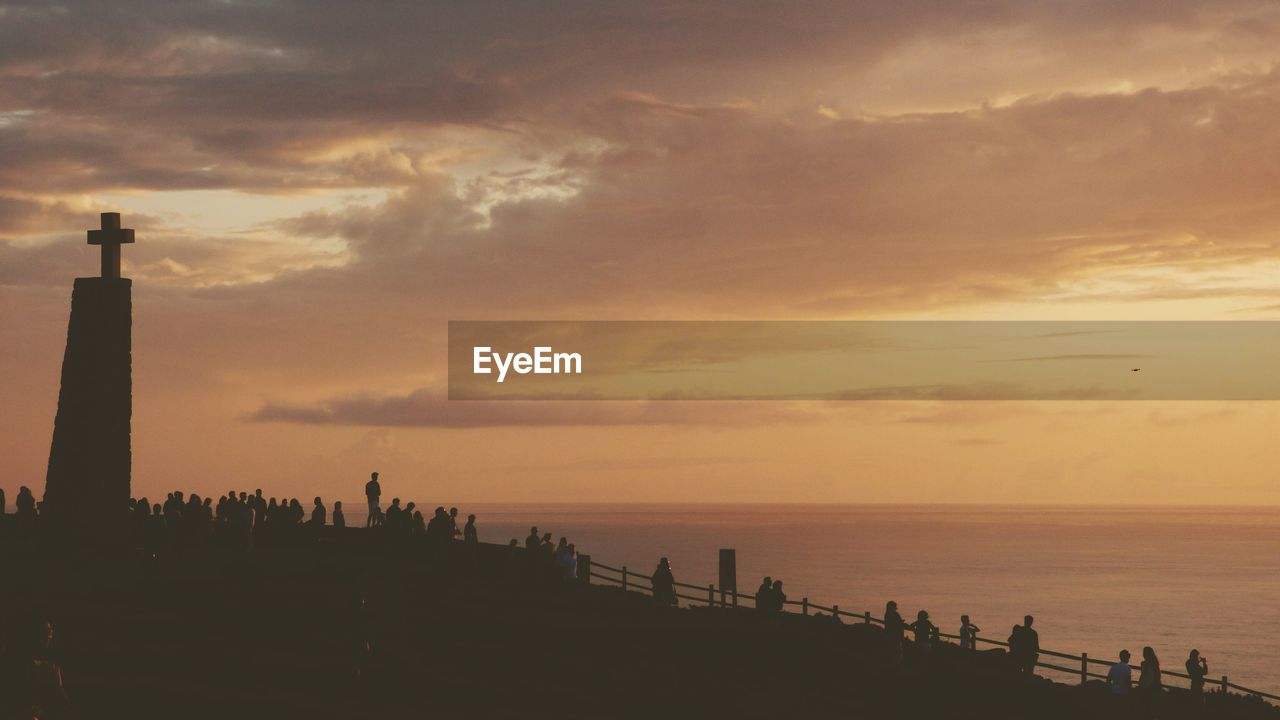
[[1097, 580]]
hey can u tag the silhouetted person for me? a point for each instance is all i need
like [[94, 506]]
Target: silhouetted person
[[764, 594], [779, 599], [923, 630], [1120, 676], [339, 520], [1024, 646], [31, 683], [454, 530], [894, 630], [531, 542], [547, 550], [664, 584], [968, 634], [373, 493], [393, 514], [469, 535], [319, 516], [566, 561], [25, 507], [1150, 684], [4, 507], [1197, 669]]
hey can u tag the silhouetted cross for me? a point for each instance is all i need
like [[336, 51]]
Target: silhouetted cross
[[110, 237]]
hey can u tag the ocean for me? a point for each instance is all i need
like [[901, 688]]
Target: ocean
[[1096, 579]]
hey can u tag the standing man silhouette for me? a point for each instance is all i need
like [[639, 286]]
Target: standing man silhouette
[[373, 491]]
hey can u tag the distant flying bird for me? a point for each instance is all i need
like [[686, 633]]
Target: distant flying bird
[[1136, 369]]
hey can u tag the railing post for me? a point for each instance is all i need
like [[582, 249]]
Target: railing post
[[735, 597], [1084, 669], [866, 617], [804, 606], [711, 594], [624, 578], [1224, 684], [835, 612]]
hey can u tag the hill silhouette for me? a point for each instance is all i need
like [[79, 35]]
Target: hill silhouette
[[365, 623]]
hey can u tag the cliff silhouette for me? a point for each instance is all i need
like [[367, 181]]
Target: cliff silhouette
[[360, 623]]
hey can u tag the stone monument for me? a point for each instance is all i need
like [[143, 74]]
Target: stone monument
[[86, 494]]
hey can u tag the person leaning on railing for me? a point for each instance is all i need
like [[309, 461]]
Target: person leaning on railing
[[1197, 669]]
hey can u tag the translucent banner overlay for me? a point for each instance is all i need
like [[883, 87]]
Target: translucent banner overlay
[[864, 360]]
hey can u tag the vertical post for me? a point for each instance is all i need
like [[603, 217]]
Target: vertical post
[[728, 573], [835, 612], [866, 617], [711, 594], [1224, 684], [1084, 669], [804, 606], [584, 569], [624, 578], [735, 597]]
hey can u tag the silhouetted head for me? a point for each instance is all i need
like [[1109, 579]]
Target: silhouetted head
[[964, 619], [395, 502], [410, 507], [317, 501], [1124, 656], [417, 515], [891, 605], [513, 543], [533, 530], [767, 582], [440, 510], [337, 505], [453, 512], [257, 493], [244, 497], [471, 518], [546, 537], [31, 637], [1148, 654], [1195, 655], [777, 584], [922, 615], [1028, 620], [373, 476], [664, 563]]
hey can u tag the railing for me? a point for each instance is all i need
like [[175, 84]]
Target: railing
[[631, 580]]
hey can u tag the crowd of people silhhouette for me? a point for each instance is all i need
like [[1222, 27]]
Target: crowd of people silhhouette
[[240, 521]]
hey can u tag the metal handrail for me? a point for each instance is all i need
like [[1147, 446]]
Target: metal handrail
[[806, 607]]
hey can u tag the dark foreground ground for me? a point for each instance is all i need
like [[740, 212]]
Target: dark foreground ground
[[364, 629]]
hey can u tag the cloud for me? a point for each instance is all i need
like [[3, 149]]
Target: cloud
[[428, 408], [1080, 356]]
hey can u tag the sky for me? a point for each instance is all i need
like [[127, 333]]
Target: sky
[[319, 187]]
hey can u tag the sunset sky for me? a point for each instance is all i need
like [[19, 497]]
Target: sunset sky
[[317, 188]]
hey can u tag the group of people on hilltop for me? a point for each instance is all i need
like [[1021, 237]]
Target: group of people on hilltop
[[1150, 684], [561, 558]]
